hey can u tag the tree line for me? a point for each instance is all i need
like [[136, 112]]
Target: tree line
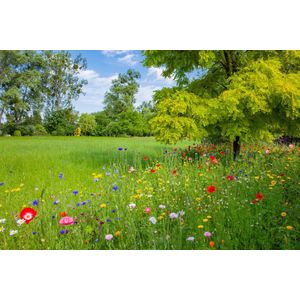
[[38, 90]]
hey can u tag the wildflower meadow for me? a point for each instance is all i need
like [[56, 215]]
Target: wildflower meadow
[[135, 193]]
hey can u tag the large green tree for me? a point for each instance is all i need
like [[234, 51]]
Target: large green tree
[[237, 95], [20, 90], [121, 95], [61, 83]]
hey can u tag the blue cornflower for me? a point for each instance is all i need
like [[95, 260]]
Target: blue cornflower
[[107, 173], [1, 183], [53, 217], [62, 231], [56, 202], [83, 203], [113, 211], [89, 201], [34, 232], [35, 202], [120, 149], [75, 192], [108, 220], [115, 187], [77, 204], [61, 176]]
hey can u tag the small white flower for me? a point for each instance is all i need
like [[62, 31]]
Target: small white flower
[[20, 222], [2, 228], [173, 215], [162, 206], [13, 232], [181, 213], [132, 205], [190, 238], [2, 221], [153, 220]]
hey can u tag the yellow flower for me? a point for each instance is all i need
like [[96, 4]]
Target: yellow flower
[[117, 233], [283, 214], [198, 199], [22, 184], [209, 217], [200, 174], [273, 182], [160, 217], [102, 205], [257, 177], [289, 227], [200, 226], [205, 220]]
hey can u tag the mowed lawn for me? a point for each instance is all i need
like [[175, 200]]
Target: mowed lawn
[[135, 193]]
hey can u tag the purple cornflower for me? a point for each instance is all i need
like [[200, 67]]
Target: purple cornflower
[[207, 234], [115, 188], [35, 202]]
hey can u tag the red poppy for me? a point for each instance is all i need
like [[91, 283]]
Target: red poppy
[[158, 166], [212, 157], [259, 196], [152, 171], [211, 244], [146, 158], [184, 154], [27, 214], [222, 152], [63, 214], [254, 201], [211, 189], [174, 172], [230, 177]]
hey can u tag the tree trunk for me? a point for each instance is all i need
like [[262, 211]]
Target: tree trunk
[[236, 148], [1, 115]]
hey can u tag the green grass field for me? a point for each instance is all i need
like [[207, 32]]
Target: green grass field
[[164, 202]]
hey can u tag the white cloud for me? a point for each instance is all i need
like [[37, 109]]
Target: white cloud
[[112, 53], [94, 91], [155, 74], [145, 93], [128, 59]]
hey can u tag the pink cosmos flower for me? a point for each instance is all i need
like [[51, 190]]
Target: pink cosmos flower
[[147, 210], [66, 221], [109, 237]]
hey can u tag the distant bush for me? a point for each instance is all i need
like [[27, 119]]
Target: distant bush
[[40, 130], [17, 133]]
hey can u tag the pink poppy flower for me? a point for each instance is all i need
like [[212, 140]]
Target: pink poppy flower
[[66, 221]]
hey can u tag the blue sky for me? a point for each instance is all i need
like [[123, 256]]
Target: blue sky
[[104, 66]]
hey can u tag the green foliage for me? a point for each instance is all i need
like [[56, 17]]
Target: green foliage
[[61, 122], [40, 130], [87, 124], [17, 133], [121, 96], [251, 94]]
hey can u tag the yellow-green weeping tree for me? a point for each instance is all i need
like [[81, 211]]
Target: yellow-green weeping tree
[[252, 95]]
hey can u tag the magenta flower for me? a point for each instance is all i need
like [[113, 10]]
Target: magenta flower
[[147, 210], [66, 221], [207, 234]]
